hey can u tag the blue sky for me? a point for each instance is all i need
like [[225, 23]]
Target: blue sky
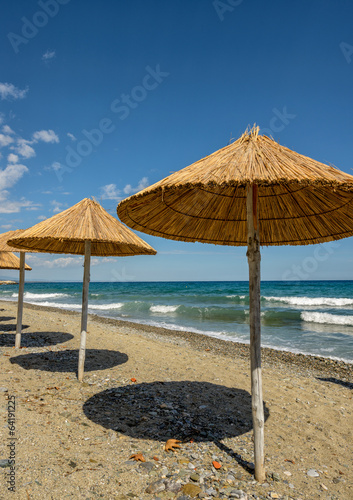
[[104, 98]]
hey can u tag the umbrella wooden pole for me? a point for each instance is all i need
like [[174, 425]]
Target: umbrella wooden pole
[[85, 287], [20, 301], [254, 258]]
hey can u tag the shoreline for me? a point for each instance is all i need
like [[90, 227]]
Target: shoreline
[[227, 348], [144, 385]]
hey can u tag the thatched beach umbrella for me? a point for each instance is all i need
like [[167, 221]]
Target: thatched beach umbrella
[[4, 247], [84, 229], [9, 260], [251, 192]]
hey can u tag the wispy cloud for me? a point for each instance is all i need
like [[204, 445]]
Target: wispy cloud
[[12, 158], [58, 262], [48, 55], [11, 174], [9, 91], [45, 136], [57, 206], [24, 149], [6, 226], [5, 140], [72, 137], [143, 183], [110, 192], [7, 130]]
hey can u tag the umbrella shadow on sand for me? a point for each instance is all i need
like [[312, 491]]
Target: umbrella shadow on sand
[[66, 361], [10, 328], [42, 339], [180, 410], [7, 318]]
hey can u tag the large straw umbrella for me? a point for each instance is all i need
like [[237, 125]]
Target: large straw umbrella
[[4, 247], [84, 229], [251, 192]]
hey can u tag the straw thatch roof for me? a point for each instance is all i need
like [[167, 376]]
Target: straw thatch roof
[[67, 232], [8, 260], [4, 237], [301, 201]]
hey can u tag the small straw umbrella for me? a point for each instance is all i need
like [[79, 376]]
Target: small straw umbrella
[[4, 247], [9, 260], [83, 229], [251, 192]]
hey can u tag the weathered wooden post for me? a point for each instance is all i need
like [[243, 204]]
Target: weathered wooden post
[[85, 289], [20, 301], [254, 258]]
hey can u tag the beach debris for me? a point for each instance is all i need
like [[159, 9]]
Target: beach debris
[[156, 458], [313, 473], [289, 460], [171, 444], [216, 465], [133, 379], [138, 457]]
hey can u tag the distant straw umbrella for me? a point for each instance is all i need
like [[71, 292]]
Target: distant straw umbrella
[[251, 192], [9, 260], [4, 247], [84, 229]]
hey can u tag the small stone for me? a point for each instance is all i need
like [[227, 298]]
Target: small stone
[[238, 494], [191, 466], [4, 389], [287, 473], [273, 495], [313, 473], [147, 466], [211, 492], [336, 480], [4, 463], [191, 489], [194, 477], [173, 486], [156, 487], [323, 487]]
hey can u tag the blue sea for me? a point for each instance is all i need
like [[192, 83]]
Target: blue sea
[[310, 317]]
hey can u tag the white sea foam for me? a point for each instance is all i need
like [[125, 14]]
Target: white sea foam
[[105, 307], [326, 318], [58, 304], [34, 296], [242, 297], [308, 301], [163, 309]]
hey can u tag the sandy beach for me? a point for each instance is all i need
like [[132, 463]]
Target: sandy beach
[[145, 385]]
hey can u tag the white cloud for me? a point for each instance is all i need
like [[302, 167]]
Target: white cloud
[[7, 130], [24, 149], [49, 54], [56, 166], [110, 192], [58, 262], [45, 136], [143, 183], [72, 137], [6, 226], [10, 207], [42, 217], [57, 206], [5, 140], [12, 158], [10, 175], [8, 91]]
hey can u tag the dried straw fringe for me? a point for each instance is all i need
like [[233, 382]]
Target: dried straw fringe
[[301, 201]]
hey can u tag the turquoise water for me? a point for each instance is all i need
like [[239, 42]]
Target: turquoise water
[[312, 317]]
